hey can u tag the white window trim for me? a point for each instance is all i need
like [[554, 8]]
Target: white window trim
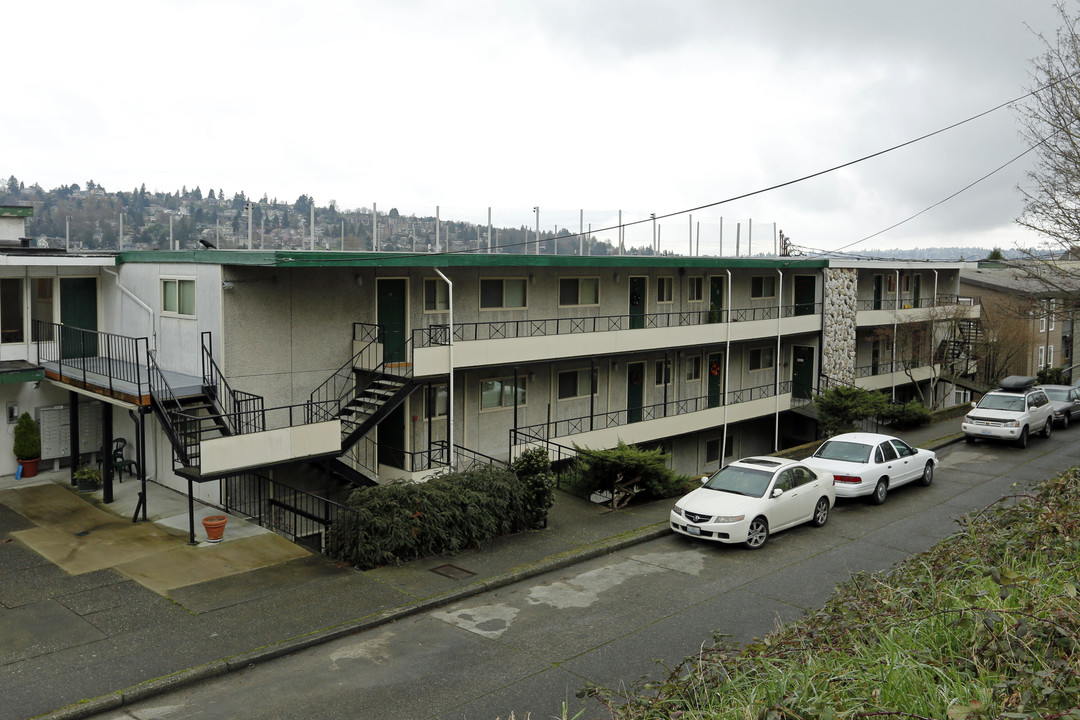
[[690, 283], [1050, 356], [523, 382], [579, 279], [502, 308], [161, 298], [439, 283], [579, 371], [1053, 308], [763, 348], [763, 278], [1042, 357], [700, 368], [665, 374], [669, 281]]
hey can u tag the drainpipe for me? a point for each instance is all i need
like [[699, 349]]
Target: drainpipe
[[140, 303], [450, 389], [895, 329], [727, 367], [776, 365]]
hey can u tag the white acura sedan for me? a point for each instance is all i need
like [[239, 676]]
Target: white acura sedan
[[746, 501], [872, 464]]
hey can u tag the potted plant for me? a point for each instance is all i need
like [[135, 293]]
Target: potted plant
[[87, 478], [27, 445]]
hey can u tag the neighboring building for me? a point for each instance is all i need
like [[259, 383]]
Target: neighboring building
[[13, 224], [254, 376], [1027, 317]]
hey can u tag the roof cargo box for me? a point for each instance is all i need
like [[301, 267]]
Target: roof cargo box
[[1017, 382]]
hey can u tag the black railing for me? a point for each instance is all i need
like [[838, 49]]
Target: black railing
[[169, 409], [329, 399], [913, 303], [93, 358], [543, 432], [466, 458], [242, 412], [435, 335], [300, 516]]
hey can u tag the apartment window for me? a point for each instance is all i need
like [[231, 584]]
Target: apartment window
[[712, 449], [962, 397], [178, 297], [1042, 357], [499, 393], [1050, 356], [501, 294], [579, 291], [438, 400], [693, 368], [762, 358], [662, 372], [763, 286], [695, 289], [436, 296], [41, 309], [1042, 323], [664, 289], [1053, 311], [11, 310], [576, 384]]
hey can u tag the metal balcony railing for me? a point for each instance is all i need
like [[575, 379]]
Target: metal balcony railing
[[242, 412], [116, 363]]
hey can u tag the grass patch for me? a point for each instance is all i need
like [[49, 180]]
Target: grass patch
[[984, 625]]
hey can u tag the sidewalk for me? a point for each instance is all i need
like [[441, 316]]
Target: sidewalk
[[97, 612]]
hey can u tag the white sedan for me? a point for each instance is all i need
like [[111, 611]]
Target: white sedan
[[746, 501], [872, 464]]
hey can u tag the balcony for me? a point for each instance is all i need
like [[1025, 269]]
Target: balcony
[[660, 420], [882, 375], [530, 340], [903, 310]]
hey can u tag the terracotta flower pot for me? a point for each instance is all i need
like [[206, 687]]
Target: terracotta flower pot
[[29, 467], [215, 527]]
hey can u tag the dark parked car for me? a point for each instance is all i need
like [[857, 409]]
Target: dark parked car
[[1066, 402]]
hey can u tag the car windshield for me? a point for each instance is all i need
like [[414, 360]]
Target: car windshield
[[1059, 395], [741, 481], [841, 450], [1002, 402]]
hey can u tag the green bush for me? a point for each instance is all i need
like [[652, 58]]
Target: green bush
[[533, 468], [911, 414], [27, 444], [840, 408], [600, 470], [397, 522], [1052, 376]]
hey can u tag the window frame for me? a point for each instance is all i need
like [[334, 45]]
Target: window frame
[[18, 335], [178, 281], [507, 381], [593, 384], [695, 288], [578, 280], [431, 402], [502, 280], [665, 290], [661, 372], [1041, 357], [694, 366], [760, 292], [760, 350], [441, 289]]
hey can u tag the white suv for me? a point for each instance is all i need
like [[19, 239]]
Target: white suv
[[1018, 408]]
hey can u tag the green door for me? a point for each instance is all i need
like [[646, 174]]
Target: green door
[[78, 309], [802, 372], [390, 311], [392, 439], [635, 391], [716, 298], [639, 287], [715, 370], [805, 291]]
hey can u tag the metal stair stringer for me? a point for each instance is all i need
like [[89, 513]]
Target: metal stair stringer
[[375, 406]]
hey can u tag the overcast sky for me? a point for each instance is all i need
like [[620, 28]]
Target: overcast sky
[[635, 105]]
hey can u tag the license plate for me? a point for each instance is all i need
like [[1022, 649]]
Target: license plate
[[986, 432], [693, 530]]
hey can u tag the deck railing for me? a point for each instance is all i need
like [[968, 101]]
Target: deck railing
[[106, 360], [242, 412]]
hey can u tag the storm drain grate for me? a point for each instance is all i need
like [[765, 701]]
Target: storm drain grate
[[452, 571]]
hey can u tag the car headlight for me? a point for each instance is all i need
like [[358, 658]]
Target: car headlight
[[1012, 423], [677, 510], [967, 419], [728, 518]]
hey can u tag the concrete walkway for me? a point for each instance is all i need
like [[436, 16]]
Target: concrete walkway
[[97, 611]]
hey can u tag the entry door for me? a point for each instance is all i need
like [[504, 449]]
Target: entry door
[[78, 309], [805, 292], [875, 357], [392, 439], [915, 289], [802, 373], [639, 288], [716, 297], [635, 391], [879, 290], [715, 369], [391, 309]]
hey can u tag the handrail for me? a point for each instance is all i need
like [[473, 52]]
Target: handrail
[[243, 412], [334, 393], [542, 432], [163, 394], [79, 354]]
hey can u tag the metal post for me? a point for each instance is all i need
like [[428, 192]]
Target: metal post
[[106, 452], [375, 227], [537, 210], [73, 431]]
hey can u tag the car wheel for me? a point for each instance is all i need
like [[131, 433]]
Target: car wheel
[[881, 491], [1021, 442], [821, 512], [757, 533], [1048, 427], [927, 474], [1065, 421], [969, 440]]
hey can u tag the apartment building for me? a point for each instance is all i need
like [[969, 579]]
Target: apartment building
[[259, 378]]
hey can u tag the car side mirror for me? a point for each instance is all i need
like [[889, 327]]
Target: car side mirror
[[704, 479], [974, 404], [777, 492]]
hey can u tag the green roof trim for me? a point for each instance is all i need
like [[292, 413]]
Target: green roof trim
[[22, 376], [335, 258]]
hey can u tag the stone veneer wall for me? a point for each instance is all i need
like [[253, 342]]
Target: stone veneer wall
[[838, 323]]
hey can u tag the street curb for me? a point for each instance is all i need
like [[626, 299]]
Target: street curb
[[241, 661]]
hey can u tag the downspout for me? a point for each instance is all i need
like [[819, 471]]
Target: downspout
[[895, 329], [450, 389], [776, 365], [727, 368], [140, 303]]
